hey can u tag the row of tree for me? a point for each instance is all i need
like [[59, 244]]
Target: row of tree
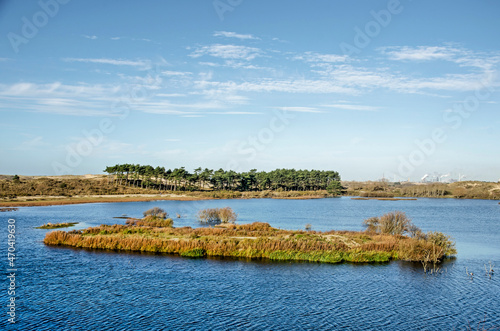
[[180, 179]]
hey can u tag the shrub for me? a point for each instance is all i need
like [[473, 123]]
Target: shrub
[[371, 224], [217, 215], [395, 223], [157, 212], [227, 215], [443, 241]]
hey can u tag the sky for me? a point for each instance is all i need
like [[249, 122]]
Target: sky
[[371, 89]]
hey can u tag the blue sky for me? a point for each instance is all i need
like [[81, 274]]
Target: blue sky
[[368, 88]]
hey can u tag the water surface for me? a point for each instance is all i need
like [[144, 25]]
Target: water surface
[[74, 289]]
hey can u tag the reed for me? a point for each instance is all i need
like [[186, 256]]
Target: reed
[[256, 240]]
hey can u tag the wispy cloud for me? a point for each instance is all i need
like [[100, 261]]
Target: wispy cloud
[[117, 62], [301, 109], [317, 57], [89, 37], [237, 113], [365, 79], [234, 35], [458, 55], [58, 98], [236, 65], [176, 73], [31, 144], [420, 53], [273, 85], [170, 95], [352, 107], [228, 52], [134, 39]]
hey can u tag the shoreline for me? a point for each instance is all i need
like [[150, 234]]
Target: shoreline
[[51, 201], [42, 201]]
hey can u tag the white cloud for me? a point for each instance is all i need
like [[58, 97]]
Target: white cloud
[[118, 62], [176, 73], [57, 98], [352, 107], [301, 109], [272, 85], [170, 95], [233, 35], [460, 56], [89, 37], [53, 90], [237, 113], [420, 53], [235, 65], [210, 64], [228, 52], [317, 57], [365, 79]]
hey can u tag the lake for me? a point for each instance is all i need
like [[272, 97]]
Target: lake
[[73, 289]]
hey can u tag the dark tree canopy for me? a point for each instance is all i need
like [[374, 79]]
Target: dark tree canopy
[[179, 179]]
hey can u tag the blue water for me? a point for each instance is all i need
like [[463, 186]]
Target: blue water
[[74, 289]]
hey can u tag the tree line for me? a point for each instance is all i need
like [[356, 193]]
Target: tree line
[[179, 179]]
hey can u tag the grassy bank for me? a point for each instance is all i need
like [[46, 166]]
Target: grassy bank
[[45, 191], [257, 241]]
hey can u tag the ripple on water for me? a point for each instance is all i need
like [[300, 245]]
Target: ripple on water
[[71, 289]]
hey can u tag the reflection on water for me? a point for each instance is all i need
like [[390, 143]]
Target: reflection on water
[[65, 288]]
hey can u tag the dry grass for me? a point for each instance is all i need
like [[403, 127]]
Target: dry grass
[[256, 240]]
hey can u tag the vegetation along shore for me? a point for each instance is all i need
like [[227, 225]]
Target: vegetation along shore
[[389, 237], [144, 183]]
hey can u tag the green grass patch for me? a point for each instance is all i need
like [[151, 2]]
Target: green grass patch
[[57, 225], [195, 252]]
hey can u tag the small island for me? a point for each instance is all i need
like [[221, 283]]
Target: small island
[[57, 225], [8, 209], [389, 237]]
